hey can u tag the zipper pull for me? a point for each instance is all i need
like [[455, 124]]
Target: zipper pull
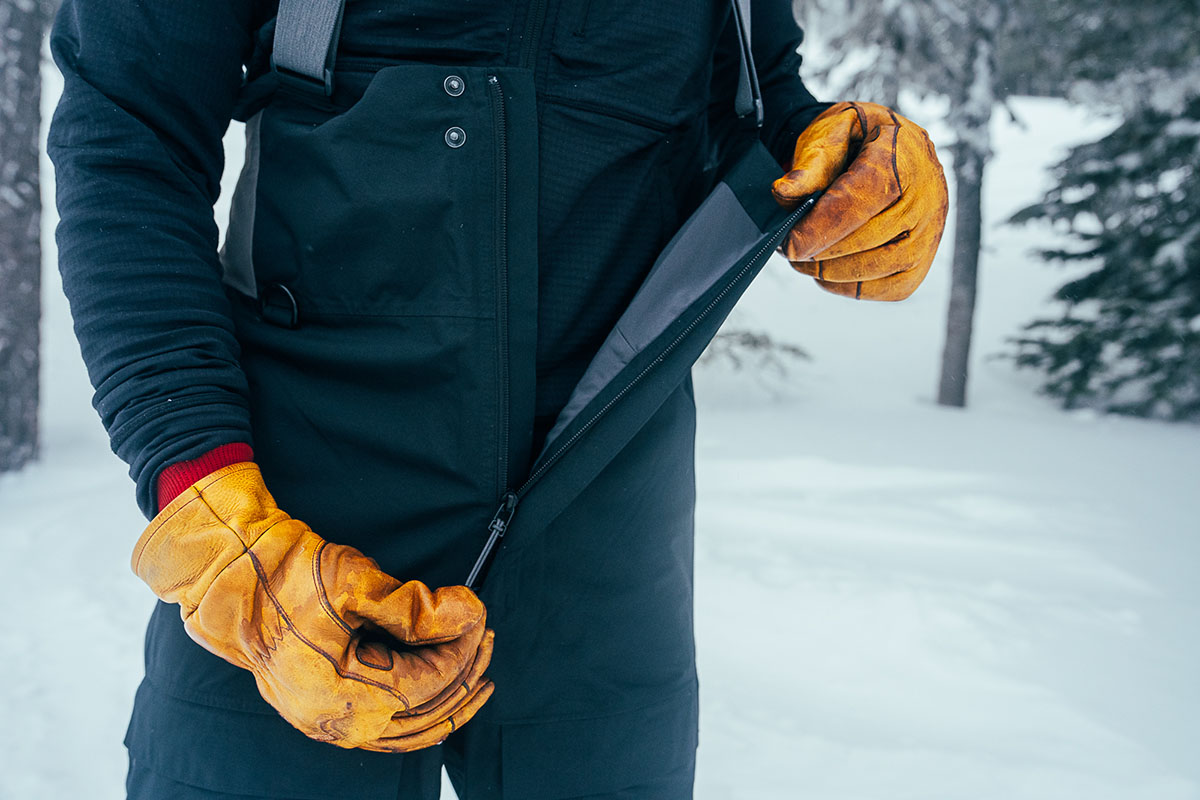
[[496, 530], [504, 514]]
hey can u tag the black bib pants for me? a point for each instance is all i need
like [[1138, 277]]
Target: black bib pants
[[389, 346]]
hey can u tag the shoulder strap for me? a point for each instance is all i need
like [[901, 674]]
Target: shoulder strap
[[306, 34], [749, 96]]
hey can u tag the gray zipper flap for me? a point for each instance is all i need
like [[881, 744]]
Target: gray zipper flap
[[737, 217], [694, 260]]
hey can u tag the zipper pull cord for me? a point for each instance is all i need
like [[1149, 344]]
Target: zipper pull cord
[[496, 530]]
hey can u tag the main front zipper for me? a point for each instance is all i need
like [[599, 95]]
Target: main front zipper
[[533, 33], [500, 119], [502, 519]]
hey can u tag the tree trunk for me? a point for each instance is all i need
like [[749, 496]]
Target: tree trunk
[[968, 228], [21, 23], [970, 114]]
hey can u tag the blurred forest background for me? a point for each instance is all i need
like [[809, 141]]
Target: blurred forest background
[[1127, 335]]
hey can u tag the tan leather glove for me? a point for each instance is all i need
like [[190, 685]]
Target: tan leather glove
[[874, 231], [312, 620]]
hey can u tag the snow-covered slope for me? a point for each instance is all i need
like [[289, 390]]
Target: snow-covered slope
[[998, 604]]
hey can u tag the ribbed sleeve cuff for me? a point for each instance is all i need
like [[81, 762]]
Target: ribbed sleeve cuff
[[179, 476]]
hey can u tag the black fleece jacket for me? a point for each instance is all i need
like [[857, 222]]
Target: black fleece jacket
[[150, 88]]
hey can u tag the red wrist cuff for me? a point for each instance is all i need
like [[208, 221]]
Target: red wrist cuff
[[179, 476]]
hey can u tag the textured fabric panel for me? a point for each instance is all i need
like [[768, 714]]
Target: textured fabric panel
[[607, 206], [432, 31], [715, 238]]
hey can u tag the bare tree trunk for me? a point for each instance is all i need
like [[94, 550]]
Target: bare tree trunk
[[21, 24], [968, 228], [971, 113]]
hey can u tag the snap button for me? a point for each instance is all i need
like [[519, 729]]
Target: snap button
[[454, 85], [456, 137]]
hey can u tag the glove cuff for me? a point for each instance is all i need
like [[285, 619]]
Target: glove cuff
[[203, 530]]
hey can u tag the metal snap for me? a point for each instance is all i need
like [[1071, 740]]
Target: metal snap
[[454, 85], [456, 137]]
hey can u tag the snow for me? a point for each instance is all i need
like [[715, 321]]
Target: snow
[[894, 600]]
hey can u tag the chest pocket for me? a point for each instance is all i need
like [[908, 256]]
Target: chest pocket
[[384, 208], [641, 60]]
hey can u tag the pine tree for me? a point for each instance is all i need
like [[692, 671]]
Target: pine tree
[[1128, 338]]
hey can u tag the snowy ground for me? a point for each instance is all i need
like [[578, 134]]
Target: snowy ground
[[997, 604]]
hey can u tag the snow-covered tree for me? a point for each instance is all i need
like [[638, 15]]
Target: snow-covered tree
[[1128, 338]]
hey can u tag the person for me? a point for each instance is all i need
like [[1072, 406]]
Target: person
[[426, 249]]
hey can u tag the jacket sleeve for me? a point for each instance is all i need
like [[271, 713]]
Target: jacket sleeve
[[788, 106], [149, 89]]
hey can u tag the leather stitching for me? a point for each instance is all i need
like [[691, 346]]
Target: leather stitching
[[895, 144], [319, 585], [333, 661], [358, 653]]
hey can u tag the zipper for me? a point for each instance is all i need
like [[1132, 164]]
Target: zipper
[[496, 530], [508, 502], [533, 32], [500, 116], [503, 517]]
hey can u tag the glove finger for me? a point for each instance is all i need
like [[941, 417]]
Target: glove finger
[[820, 159], [411, 612], [423, 673], [891, 272], [883, 229], [921, 206], [890, 289], [463, 684], [438, 733], [868, 186], [441, 708]]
